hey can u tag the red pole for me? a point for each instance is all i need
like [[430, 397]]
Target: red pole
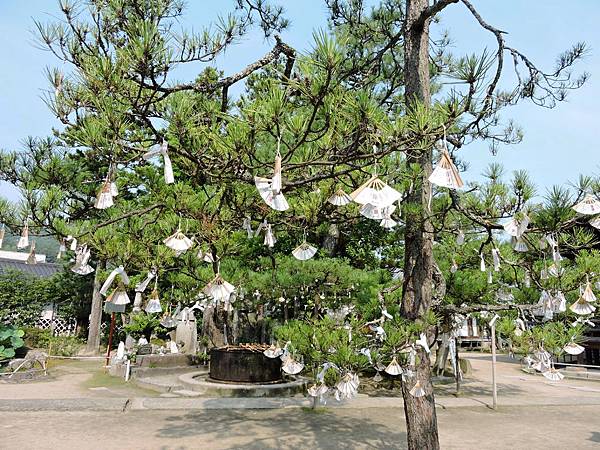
[[110, 335]]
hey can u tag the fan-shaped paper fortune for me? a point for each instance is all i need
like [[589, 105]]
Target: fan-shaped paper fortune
[[388, 223], [417, 390], [590, 205], [520, 245], [347, 387], [153, 305], [376, 193], [118, 296], [273, 352], [588, 294], [595, 222], [377, 212], [178, 242], [340, 198], [291, 366], [445, 173], [553, 375], [573, 349], [270, 189], [219, 289], [582, 307], [318, 390], [304, 251], [82, 256], [393, 368]]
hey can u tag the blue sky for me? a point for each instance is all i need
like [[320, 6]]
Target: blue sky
[[559, 144]]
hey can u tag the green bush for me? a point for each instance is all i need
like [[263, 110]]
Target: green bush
[[37, 337], [55, 345], [65, 345]]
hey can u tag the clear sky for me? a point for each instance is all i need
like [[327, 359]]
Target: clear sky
[[559, 144]]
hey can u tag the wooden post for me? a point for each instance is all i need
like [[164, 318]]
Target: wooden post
[[457, 363], [494, 389], [110, 336]]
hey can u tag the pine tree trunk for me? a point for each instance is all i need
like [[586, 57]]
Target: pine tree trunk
[[421, 422], [93, 339]]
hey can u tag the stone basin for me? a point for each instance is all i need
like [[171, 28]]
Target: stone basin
[[244, 364]]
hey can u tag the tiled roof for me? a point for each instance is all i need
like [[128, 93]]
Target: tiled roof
[[39, 270]]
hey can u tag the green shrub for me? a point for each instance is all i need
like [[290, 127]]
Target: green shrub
[[65, 345], [37, 337]]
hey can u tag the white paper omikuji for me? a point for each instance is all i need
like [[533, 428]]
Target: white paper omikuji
[[270, 189], [595, 222], [2, 233], [247, 225], [553, 375], [520, 245], [291, 366], [393, 368], [273, 352], [118, 296], [168, 167], [590, 205], [219, 289], [375, 192], [445, 173], [104, 199], [269, 240], [582, 307], [340, 198], [417, 390], [481, 262], [178, 242], [573, 349], [460, 237], [588, 294], [496, 259], [388, 223], [318, 390], [422, 341], [153, 305], [304, 251], [82, 256], [120, 272], [347, 387], [24, 239]]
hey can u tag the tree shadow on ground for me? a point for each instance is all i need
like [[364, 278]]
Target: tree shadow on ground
[[476, 389], [285, 429], [595, 437]]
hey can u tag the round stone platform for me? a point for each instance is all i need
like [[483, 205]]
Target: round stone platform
[[200, 382]]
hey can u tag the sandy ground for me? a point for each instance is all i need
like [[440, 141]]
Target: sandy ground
[[547, 427], [533, 414]]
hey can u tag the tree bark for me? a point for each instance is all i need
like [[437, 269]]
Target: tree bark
[[421, 421], [93, 339]]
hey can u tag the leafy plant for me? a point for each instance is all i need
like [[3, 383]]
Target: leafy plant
[[11, 339], [143, 324]]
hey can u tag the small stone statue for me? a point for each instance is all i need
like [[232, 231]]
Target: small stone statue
[[186, 334]]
